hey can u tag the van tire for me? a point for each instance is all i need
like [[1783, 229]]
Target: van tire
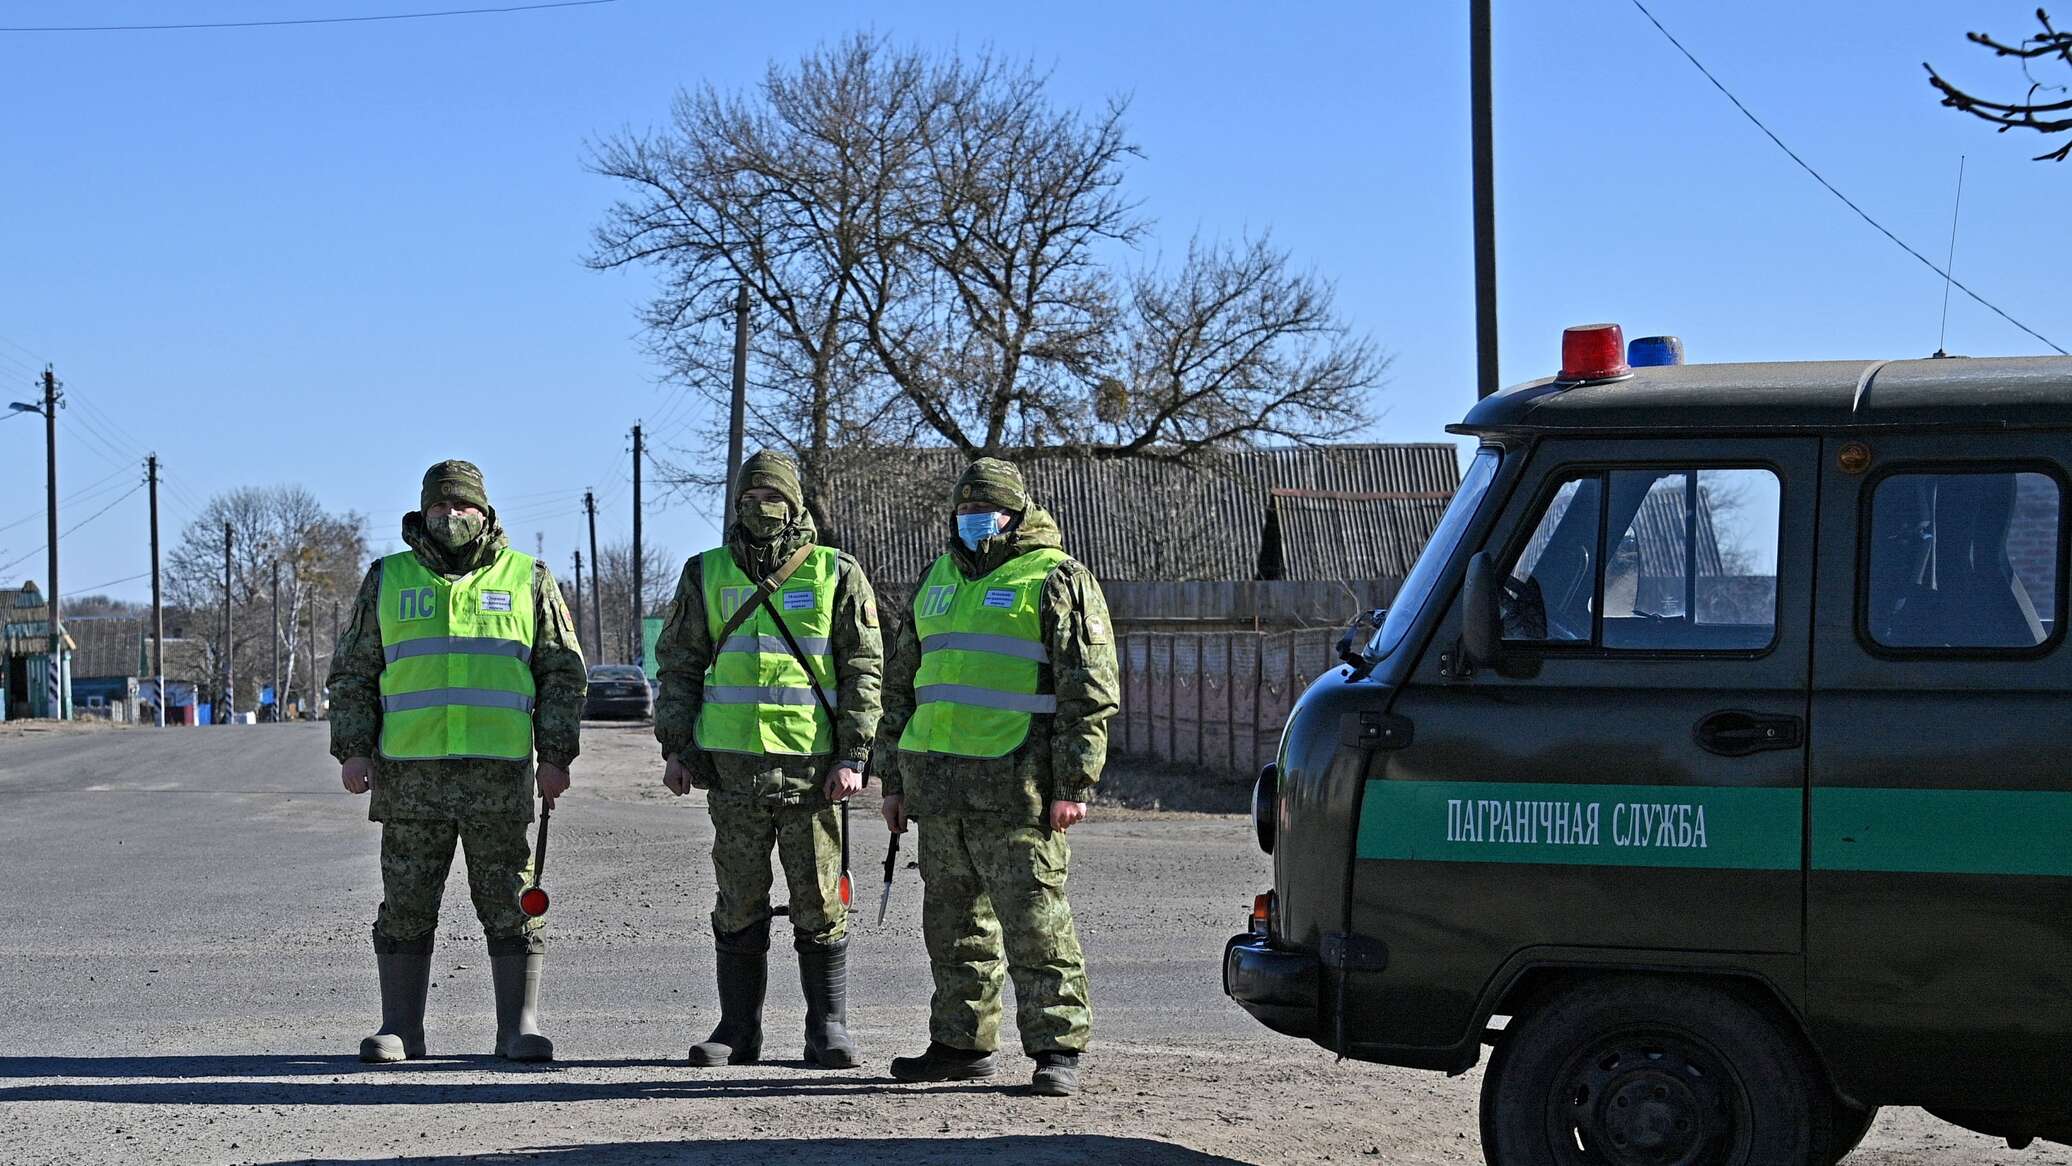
[[1851, 1123], [1644, 1070]]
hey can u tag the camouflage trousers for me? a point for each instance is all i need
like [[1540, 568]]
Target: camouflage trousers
[[417, 853], [994, 883], [809, 846]]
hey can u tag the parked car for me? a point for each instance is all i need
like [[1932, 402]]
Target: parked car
[[618, 690]]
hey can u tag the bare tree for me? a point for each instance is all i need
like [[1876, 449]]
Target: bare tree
[[780, 195], [931, 244], [2044, 117], [321, 556], [613, 592]]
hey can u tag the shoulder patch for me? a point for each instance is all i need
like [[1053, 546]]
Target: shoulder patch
[[870, 613], [1097, 628]]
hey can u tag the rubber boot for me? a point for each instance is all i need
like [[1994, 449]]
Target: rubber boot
[[517, 980], [406, 979], [824, 974], [744, 973], [1057, 1075], [944, 1063]]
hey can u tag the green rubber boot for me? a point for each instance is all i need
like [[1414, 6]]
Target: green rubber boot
[[744, 974], [517, 981], [406, 979], [824, 975]]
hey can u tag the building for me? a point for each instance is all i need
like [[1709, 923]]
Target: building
[[31, 683], [1325, 514], [109, 666]]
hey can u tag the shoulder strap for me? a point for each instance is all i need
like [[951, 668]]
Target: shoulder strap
[[763, 588]]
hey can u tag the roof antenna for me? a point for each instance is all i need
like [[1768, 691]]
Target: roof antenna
[[1950, 264]]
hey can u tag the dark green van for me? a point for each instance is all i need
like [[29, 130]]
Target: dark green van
[[1713, 767]]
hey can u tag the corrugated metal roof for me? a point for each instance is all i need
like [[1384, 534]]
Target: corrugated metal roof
[[1338, 535], [1149, 520], [107, 647]]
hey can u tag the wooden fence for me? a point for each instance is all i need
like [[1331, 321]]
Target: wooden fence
[[1215, 701], [1261, 604]]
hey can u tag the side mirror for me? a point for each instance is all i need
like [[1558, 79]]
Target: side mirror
[[1481, 632]]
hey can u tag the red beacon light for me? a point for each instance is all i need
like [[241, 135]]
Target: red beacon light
[[1593, 352]]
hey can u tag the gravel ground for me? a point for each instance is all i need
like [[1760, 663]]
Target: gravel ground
[[185, 976]]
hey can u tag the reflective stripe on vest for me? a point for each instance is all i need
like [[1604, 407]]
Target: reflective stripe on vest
[[982, 654], [458, 676], [757, 698]]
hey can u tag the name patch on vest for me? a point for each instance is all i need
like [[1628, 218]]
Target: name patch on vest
[[417, 603], [798, 601], [496, 601], [1002, 597]]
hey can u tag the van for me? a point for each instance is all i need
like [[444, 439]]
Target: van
[[1712, 768]]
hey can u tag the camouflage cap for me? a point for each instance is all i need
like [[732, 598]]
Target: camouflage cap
[[453, 481], [776, 471], [993, 482]]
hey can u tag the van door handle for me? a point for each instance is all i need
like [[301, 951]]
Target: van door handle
[[1738, 733]]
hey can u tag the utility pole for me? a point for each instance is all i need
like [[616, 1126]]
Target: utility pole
[[55, 685], [738, 410], [596, 597], [229, 641], [312, 699], [1487, 379], [579, 599], [638, 645], [277, 687], [157, 596]]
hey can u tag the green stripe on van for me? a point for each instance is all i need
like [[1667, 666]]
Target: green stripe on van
[[1924, 831], [1943, 831], [1581, 825]]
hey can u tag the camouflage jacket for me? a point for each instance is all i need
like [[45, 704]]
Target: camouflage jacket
[[1065, 752], [457, 788], [685, 650]]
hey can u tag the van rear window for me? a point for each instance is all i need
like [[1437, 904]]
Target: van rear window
[[1963, 561]]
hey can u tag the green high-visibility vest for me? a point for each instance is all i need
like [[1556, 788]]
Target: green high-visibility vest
[[982, 657], [757, 697], [458, 680]]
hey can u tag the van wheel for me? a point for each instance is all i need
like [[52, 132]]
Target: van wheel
[[1636, 1071], [1850, 1125]]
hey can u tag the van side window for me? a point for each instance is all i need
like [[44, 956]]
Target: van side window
[[1963, 560], [1691, 560], [1548, 594], [1651, 560]]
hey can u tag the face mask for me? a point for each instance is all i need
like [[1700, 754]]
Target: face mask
[[763, 520], [974, 528], [456, 530]]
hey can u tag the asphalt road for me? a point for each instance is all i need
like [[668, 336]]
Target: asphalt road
[[185, 976]]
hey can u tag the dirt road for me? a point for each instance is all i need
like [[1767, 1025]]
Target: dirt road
[[185, 976]]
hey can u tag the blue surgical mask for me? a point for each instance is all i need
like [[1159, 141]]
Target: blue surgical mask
[[975, 528]]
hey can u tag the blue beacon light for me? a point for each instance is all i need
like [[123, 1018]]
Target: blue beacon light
[[1651, 351]]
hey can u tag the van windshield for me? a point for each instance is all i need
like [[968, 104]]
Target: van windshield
[[1417, 586]]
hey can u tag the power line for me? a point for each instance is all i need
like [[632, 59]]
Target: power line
[[1831, 189], [309, 20], [5, 567], [113, 582]]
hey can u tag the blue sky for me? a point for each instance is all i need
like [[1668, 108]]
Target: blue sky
[[331, 255]]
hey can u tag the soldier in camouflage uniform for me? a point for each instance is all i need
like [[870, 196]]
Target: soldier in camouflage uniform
[[997, 697], [738, 720], [452, 789]]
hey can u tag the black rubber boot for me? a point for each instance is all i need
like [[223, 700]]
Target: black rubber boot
[[824, 974], [943, 1063], [406, 979], [744, 974], [1057, 1075], [517, 980]]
